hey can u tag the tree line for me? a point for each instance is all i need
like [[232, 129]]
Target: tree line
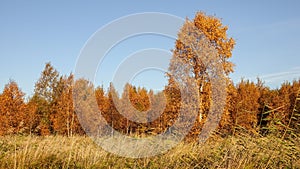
[[250, 106]]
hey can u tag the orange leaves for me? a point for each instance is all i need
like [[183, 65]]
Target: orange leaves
[[251, 106], [201, 55], [139, 98], [216, 32], [63, 115], [247, 105], [12, 109]]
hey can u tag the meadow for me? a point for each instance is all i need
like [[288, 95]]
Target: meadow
[[239, 151]]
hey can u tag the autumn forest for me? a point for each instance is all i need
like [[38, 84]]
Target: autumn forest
[[250, 106]]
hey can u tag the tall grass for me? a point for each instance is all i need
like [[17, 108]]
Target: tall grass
[[240, 151]]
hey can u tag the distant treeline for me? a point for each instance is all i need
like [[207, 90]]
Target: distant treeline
[[251, 107]]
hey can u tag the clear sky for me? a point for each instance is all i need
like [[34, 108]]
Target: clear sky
[[35, 32]]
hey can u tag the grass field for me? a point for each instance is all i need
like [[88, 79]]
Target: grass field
[[240, 151]]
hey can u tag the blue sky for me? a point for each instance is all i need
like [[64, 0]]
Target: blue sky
[[35, 32]]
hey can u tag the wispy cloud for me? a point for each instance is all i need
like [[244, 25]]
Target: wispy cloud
[[292, 24], [275, 79]]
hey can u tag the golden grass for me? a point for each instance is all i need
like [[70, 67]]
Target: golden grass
[[240, 151]]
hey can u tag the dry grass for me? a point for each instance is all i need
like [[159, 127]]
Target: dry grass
[[80, 152]]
